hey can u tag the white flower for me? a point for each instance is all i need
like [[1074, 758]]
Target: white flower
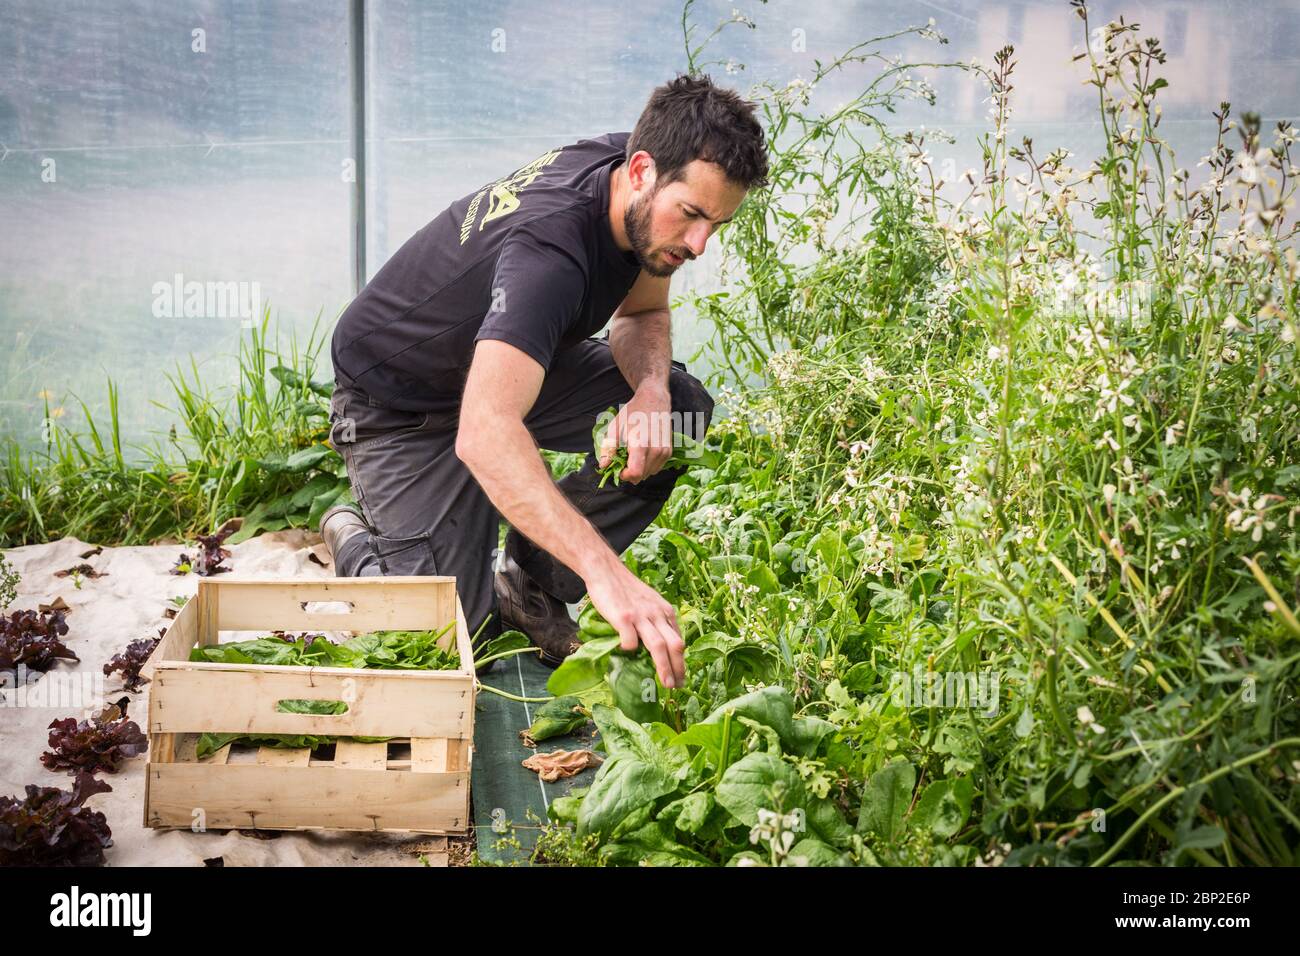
[[920, 159], [1107, 439], [930, 33], [1248, 516], [871, 372], [1085, 717]]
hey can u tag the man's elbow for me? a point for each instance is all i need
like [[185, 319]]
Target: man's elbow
[[469, 444], [468, 431], [479, 435]]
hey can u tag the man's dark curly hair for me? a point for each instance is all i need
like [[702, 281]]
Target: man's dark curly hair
[[689, 118]]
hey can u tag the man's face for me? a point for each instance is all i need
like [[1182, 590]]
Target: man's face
[[668, 225]]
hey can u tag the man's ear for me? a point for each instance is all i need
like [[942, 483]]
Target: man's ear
[[641, 171]]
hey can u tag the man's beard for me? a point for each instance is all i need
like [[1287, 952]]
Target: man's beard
[[636, 223]]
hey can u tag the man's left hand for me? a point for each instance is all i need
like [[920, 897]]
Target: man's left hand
[[645, 425]]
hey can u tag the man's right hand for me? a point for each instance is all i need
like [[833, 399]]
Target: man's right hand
[[640, 615], [502, 385]]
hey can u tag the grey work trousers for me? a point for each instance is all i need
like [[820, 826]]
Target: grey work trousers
[[427, 514]]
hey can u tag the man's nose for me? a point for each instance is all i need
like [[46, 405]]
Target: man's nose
[[697, 237]]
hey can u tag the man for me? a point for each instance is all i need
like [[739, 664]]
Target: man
[[472, 346]]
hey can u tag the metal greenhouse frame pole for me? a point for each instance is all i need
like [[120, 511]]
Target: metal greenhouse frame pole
[[357, 86]]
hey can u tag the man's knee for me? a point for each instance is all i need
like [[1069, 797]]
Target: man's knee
[[691, 401], [412, 555]]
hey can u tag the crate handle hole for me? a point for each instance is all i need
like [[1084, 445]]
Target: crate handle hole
[[327, 607], [312, 707]]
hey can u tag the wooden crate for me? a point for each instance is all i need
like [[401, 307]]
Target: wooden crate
[[415, 783]]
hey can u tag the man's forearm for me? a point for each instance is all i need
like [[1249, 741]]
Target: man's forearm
[[642, 347], [503, 459], [493, 442]]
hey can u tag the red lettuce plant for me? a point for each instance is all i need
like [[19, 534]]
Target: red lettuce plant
[[210, 554], [94, 745], [130, 661], [53, 827], [33, 638]]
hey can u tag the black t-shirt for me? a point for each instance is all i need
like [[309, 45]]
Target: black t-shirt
[[528, 259]]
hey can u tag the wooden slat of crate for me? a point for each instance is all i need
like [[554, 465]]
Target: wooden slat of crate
[[428, 754], [283, 756], [241, 698], [350, 754], [251, 796], [187, 746], [258, 605], [437, 754], [458, 754], [182, 634], [207, 603], [463, 645], [378, 603]]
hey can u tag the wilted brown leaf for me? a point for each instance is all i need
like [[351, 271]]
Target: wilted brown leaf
[[561, 763]]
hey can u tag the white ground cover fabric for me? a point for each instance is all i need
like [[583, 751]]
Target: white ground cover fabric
[[108, 613]]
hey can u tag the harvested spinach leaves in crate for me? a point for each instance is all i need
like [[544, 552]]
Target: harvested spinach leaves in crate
[[386, 650]]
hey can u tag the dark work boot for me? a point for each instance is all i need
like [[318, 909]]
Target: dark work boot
[[526, 607], [337, 525]]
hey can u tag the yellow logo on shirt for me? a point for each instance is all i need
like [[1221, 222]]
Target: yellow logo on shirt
[[503, 194]]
